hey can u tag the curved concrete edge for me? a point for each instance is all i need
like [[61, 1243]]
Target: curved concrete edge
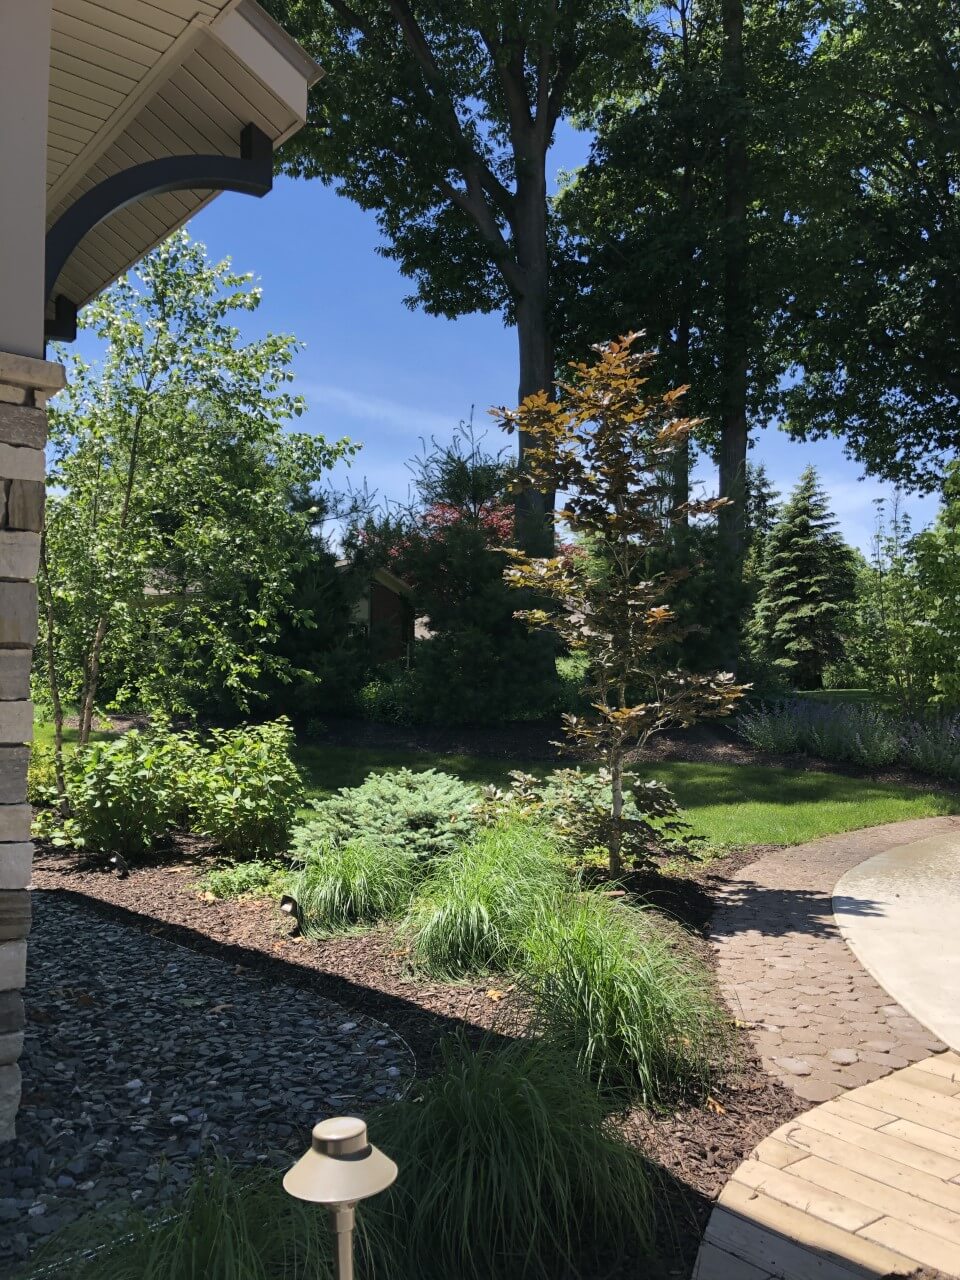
[[899, 913], [865, 1185]]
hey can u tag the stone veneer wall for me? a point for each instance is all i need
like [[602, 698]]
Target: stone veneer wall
[[25, 385]]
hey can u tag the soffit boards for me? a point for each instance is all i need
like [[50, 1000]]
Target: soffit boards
[[139, 80]]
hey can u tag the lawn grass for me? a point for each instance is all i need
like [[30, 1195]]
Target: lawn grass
[[43, 734], [728, 804]]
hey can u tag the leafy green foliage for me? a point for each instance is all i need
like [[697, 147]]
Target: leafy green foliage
[[179, 511], [933, 746], [471, 914], [423, 814], [479, 664], [807, 583], [577, 808], [606, 444], [255, 878], [42, 776], [359, 881], [248, 794], [628, 998], [509, 1170], [879, 238], [126, 795]]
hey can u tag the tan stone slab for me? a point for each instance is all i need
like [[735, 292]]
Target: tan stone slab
[[15, 674], [26, 371], [22, 425], [922, 1135], [16, 722], [787, 1242], [25, 503], [18, 614], [777, 1153], [857, 1113], [717, 1264], [19, 554], [15, 820], [788, 1186], [929, 1250], [930, 1081], [882, 1168], [14, 395], [942, 1064], [13, 965], [888, 1201], [16, 863], [17, 463], [884, 1143], [927, 1109]]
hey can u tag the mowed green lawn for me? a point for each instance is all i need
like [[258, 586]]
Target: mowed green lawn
[[728, 804]]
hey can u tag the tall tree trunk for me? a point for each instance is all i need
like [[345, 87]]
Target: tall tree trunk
[[534, 511], [735, 356]]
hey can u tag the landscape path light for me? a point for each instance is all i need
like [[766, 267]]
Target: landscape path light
[[340, 1169]]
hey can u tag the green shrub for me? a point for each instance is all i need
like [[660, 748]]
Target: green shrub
[[126, 795], [424, 814], [254, 879], [360, 881], [613, 987], [231, 1224], [508, 1171], [933, 746], [248, 789], [42, 776], [471, 915], [852, 732], [577, 805]]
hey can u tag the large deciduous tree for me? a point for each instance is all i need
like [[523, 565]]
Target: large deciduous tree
[[177, 516], [439, 117], [875, 324], [681, 222]]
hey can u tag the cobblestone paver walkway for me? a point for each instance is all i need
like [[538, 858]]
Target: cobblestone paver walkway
[[818, 1020], [867, 1184]]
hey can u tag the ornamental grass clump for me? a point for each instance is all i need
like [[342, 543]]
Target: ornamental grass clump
[[344, 886], [617, 988], [231, 1224], [470, 916], [508, 1171]]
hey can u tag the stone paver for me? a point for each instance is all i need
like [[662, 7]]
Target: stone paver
[[866, 1185], [818, 1020]]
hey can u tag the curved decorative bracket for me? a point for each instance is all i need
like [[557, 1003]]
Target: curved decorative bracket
[[250, 173]]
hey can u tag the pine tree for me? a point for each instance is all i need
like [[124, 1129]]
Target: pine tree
[[807, 579]]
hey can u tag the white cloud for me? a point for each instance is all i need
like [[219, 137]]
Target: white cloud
[[375, 409]]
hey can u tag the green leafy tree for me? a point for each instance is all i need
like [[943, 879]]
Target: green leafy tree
[[440, 118], [874, 324], [479, 664], [807, 582], [174, 519], [682, 223], [607, 446]]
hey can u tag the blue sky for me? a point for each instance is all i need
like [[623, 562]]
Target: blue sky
[[385, 376]]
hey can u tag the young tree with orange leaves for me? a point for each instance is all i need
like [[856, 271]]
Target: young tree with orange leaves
[[607, 446]]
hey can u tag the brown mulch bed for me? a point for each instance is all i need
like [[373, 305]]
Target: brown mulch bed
[[696, 1148]]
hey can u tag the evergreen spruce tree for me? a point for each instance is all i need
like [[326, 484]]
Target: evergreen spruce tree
[[807, 579]]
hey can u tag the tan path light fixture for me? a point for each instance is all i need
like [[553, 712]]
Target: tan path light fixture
[[340, 1169]]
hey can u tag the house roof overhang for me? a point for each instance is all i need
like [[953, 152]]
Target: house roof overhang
[[136, 83]]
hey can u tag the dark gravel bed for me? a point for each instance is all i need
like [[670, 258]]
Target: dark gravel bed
[[140, 1054]]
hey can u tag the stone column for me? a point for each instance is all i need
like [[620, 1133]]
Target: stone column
[[25, 384]]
